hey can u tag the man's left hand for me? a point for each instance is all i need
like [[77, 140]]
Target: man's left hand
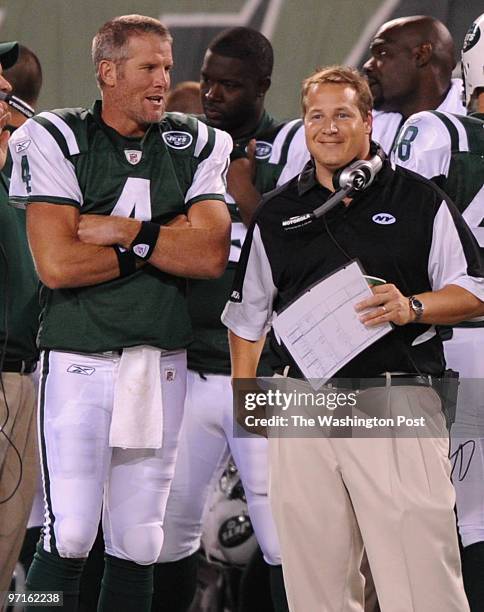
[[387, 305]]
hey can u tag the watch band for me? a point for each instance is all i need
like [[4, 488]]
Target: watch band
[[417, 306]]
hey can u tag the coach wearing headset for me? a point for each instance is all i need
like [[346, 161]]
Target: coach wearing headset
[[332, 497]]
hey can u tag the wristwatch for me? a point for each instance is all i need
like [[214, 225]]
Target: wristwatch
[[417, 307]]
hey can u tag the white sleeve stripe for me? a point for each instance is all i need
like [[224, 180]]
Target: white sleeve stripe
[[65, 130], [297, 157], [209, 176], [251, 318], [51, 173], [202, 138], [220, 144], [463, 140], [279, 140]]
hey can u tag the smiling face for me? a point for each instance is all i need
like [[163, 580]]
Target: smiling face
[[336, 132], [232, 97], [391, 70], [135, 88]]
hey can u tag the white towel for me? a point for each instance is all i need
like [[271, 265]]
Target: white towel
[[137, 419]]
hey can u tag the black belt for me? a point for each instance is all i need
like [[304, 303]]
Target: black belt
[[396, 380], [23, 366]]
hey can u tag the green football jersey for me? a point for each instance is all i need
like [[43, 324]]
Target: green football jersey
[[275, 164], [71, 157], [21, 292]]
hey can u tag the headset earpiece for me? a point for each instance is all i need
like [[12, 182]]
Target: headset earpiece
[[361, 172]]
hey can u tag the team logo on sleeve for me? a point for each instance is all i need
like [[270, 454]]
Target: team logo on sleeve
[[177, 140], [23, 145], [133, 156], [263, 149]]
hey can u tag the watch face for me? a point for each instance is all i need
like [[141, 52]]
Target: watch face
[[417, 307]]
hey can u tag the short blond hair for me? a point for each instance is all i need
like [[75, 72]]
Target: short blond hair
[[346, 76], [111, 40]]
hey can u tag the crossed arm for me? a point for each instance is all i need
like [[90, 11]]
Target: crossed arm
[[71, 250]]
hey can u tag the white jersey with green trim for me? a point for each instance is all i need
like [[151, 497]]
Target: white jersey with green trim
[[448, 149], [386, 126], [71, 157]]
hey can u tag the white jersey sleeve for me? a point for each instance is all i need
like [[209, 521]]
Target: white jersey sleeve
[[210, 175], [453, 260], [249, 311], [385, 128], [41, 172], [424, 146], [297, 157]]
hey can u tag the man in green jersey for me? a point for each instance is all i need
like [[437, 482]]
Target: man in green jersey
[[114, 319], [449, 149], [235, 77], [18, 359]]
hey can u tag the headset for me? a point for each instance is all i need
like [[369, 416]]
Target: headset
[[18, 104], [351, 179]]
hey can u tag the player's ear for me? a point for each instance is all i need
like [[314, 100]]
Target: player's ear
[[107, 73], [263, 86], [423, 54], [368, 122]]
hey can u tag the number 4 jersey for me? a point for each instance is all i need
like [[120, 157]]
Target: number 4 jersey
[[71, 157], [448, 149]]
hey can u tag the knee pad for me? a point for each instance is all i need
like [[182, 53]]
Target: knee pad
[[256, 483], [142, 543], [75, 537]]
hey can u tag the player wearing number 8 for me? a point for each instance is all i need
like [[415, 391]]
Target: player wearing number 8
[[449, 149], [114, 325]]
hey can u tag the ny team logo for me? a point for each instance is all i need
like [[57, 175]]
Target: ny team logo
[[178, 140], [472, 37], [383, 218], [263, 149]]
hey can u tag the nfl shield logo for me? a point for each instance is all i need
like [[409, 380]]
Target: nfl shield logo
[[132, 156]]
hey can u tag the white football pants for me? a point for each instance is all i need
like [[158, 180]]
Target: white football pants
[[206, 440], [82, 474], [465, 353]]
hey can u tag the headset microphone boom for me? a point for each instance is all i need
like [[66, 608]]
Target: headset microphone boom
[[356, 177]]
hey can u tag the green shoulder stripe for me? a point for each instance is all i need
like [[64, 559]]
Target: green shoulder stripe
[[453, 133], [55, 133], [288, 140]]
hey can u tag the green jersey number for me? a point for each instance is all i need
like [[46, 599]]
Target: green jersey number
[[26, 176], [135, 200], [404, 144]]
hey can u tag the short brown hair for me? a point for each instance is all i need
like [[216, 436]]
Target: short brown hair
[[345, 75], [111, 41]]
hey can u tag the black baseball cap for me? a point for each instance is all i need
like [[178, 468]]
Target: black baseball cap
[[8, 54]]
